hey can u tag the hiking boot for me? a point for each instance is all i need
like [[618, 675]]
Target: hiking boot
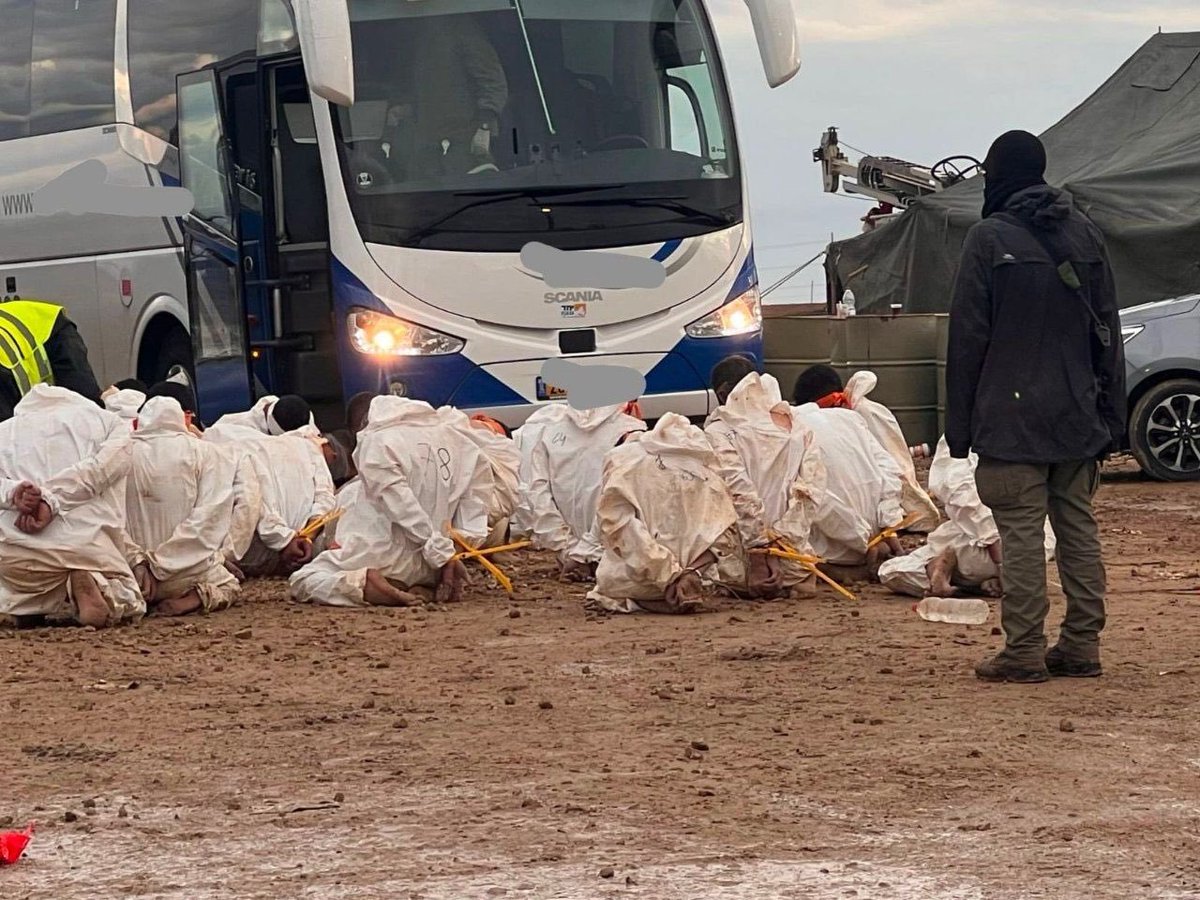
[[1000, 668], [1060, 665]]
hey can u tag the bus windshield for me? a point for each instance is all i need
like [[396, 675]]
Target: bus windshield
[[483, 124]]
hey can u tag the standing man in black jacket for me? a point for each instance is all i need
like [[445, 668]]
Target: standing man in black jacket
[[1036, 386]]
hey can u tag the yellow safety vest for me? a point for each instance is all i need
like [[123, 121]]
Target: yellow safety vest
[[25, 326]]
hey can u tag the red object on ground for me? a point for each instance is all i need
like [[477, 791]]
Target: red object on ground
[[13, 844]]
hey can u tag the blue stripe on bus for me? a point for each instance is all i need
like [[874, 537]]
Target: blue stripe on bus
[[665, 251]]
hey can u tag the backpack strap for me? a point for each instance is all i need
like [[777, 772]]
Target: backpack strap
[[1066, 272]]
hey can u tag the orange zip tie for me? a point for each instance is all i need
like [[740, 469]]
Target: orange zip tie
[[473, 553]]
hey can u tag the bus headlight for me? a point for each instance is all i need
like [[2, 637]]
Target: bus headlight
[[741, 315], [377, 334]]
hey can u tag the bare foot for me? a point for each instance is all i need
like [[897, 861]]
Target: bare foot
[[179, 606], [577, 572], [993, 587], [451, 581], [378, 591], [93, 610], [941, 572]]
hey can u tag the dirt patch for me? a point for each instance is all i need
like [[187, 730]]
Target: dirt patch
[[278, 750]]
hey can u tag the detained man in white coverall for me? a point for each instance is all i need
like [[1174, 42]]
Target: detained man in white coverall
[[766, 456], [862, 497], [503, 460], [64, 463], [963, 553], [179, 505], [525, 439], [666, 522], [567, 465], [295, 486], [823, 386], [419, 477]]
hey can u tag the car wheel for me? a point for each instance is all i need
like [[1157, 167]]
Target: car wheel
[[1164, 431]]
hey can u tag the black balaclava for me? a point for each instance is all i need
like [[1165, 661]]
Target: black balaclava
[[1016, 161]]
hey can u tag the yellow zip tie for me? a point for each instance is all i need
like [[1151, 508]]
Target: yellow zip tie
[[892, 532], [308, 532], [492, 551], [809, 564], [487, 563]]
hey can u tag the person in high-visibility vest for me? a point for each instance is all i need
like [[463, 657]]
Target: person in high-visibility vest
[[39, 344]]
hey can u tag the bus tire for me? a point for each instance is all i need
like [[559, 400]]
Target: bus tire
[[174, 348]]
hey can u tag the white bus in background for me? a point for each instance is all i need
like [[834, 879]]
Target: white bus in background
[[366, 173]]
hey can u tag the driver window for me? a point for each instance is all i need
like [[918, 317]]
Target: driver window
[[201, 151], [685, 127]]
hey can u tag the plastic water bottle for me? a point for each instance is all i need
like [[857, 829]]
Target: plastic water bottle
[[848, 303], [955, 610]]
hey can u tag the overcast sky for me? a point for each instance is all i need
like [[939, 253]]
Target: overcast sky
[[915, 79]]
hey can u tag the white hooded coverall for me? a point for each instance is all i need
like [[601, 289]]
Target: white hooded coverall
[[969, 531], [79, 455], [504, 460], [862, 492], [774, 475], [258, 417], [179, 505], [526, 438], [662, 505], [125, 403], [418, 477], [567, 463], [294, 482], [884, 428]]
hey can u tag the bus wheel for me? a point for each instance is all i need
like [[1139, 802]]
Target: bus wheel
[[174, 349]]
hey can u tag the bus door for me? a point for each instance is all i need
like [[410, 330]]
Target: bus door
[[212, 252]]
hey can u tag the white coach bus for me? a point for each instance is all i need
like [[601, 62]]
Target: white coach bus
[[365, 175]]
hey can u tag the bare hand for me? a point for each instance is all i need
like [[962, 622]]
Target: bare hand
[[686, 593], [36, 522], [764, 578], [298, 552], [451, 580], [26, 498], [147, 583]]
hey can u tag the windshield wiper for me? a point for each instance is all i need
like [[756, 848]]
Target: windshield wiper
[[674, 204], [487, 198]]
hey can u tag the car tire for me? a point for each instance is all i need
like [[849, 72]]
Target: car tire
[[1164, 431]]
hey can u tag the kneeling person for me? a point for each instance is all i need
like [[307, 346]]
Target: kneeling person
[[417, 474], [62, 532], [179, 506], [665, 521]]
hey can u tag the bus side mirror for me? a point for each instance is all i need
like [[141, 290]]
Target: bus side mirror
[[324, 30], [778, 40]]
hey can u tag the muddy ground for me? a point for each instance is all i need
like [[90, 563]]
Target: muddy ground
[[809, 749]]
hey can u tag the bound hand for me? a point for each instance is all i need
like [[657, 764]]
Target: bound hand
[[36, 522], [26, 498], [298, 552]]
